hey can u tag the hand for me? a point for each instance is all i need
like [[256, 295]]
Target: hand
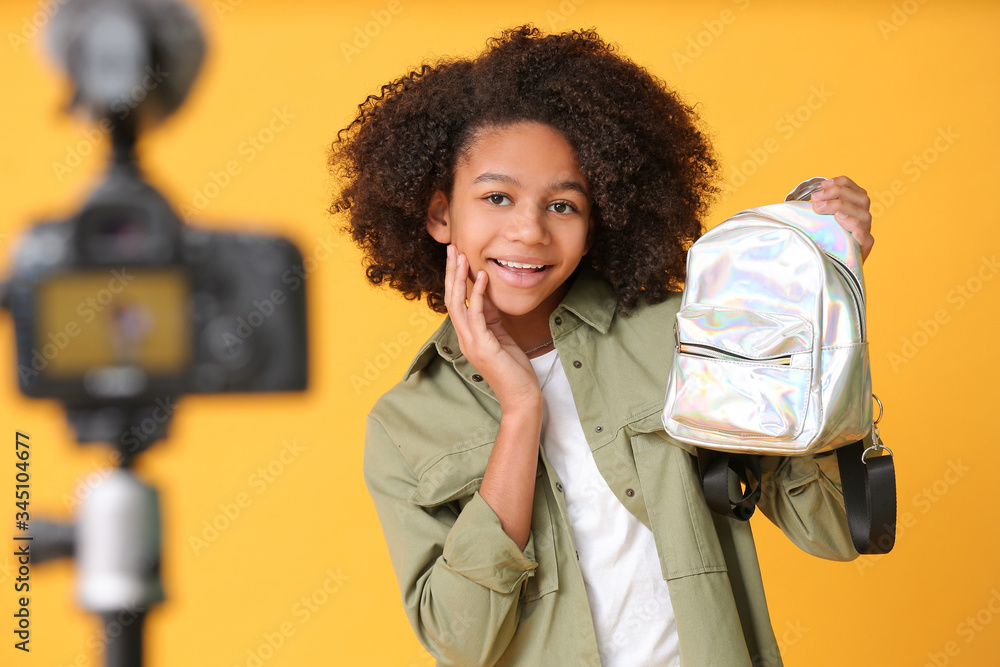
[[483, 339], [849, 204]]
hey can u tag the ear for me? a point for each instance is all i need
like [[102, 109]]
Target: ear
[[438, 217]]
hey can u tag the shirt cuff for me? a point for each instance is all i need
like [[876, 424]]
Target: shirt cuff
[[478, 548]]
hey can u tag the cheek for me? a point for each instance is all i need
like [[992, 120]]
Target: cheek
[[470, 239], [579, 240]]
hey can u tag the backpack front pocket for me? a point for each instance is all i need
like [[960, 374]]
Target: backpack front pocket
[[740, 373]]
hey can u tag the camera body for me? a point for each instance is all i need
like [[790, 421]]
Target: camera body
[[124, 304]]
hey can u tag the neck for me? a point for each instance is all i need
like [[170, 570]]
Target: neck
[[532, 329], [529, 330]]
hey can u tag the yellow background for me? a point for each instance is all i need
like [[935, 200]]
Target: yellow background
[[886, 81]]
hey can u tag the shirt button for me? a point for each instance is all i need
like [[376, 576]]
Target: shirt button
[[577, 364], [477, 377], [558, 320], [629, 492], [599, 428], [559, 486], [446, 349]]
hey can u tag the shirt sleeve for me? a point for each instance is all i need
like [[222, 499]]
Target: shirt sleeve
[[802, 495], [460, 574]]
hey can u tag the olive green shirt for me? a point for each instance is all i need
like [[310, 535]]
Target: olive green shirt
[[474, 598]]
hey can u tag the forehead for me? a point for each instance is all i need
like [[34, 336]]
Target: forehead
[[518, 151]]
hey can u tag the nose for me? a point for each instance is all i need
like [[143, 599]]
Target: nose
[[527, 225]]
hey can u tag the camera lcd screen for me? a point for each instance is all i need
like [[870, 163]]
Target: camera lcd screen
[[128, 316]]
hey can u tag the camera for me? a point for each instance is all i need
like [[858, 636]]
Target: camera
[[122, 307], [123, 302]]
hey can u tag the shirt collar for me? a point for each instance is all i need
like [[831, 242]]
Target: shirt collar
[[590, 298]]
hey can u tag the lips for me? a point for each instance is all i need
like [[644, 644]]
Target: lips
[[520, 267], [516, 277]]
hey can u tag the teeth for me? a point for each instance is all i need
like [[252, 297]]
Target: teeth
[[520, 265]]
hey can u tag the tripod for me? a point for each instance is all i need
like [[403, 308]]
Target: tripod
[[115, 542]]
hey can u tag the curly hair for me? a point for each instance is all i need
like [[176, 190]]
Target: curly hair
[[651, 169]]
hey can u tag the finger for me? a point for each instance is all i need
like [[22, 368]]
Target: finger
[[857, 197], [856, 205], [841, 188], [456, 303], [850, 192], [493, 321], [860, 231], [449, 264], [449, 278], [841, 182], [490, 312], [842, 207], [855, 218], [451, 269], [449, 274], [481, 333], [459, 285]]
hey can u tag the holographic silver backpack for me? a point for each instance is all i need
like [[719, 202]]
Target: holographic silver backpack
[[771, 353], [771, 347]]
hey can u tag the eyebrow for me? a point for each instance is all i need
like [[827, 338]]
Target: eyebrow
[[493, 177]]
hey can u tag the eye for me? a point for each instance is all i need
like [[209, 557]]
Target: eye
[[562, 207], [497, 198]]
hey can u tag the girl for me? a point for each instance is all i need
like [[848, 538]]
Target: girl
[[543, 195]]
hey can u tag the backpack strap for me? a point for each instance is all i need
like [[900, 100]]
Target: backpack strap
[[714, 469], [869, 486], [868, 483]]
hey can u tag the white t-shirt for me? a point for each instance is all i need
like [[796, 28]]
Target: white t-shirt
[[629, 601]]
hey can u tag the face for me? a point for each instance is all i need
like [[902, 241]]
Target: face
[[520, 211]]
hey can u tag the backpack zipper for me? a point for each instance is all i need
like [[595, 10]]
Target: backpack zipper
[[711, 352], [855, 286]]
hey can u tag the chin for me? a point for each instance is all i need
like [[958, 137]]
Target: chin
[[514, 304]]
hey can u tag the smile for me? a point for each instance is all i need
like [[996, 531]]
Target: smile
[[519, 274], [519, 265]]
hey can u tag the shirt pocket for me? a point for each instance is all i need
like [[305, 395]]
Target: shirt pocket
[[454, 479]]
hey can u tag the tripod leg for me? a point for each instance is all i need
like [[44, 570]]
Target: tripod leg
[[123, 631]]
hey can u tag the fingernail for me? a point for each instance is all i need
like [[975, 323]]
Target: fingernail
[[450, 250], [820, 204], [827, 183], [840, 215]]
